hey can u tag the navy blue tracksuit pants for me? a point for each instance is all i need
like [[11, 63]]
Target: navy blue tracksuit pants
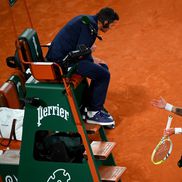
[[100, 78]]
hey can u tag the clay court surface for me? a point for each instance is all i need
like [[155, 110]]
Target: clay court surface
[[144, 53]]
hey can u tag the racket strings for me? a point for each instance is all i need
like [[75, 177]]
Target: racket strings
[[162, 151]]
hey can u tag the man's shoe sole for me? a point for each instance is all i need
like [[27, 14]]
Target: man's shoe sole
[[100, 123], [109, 126]]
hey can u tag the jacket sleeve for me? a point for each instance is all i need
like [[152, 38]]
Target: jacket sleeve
[[86, 38]]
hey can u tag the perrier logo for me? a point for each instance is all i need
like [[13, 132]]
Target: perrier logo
[[12, 2], [51, 111]]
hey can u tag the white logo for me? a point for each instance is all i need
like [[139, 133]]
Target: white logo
[[60, 175], [9, 178], [51, 111]]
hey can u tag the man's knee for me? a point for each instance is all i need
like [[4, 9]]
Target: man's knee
[[104, 66]]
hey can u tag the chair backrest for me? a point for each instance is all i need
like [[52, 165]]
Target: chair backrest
[[3, 102], [9, 96], [11, 92], [30, 46], [19, 83]]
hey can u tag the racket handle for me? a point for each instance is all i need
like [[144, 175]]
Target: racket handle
[[169, 121]]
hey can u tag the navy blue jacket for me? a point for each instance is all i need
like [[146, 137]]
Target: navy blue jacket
[[73, 34]]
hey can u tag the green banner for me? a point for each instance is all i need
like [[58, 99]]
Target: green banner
[[12, 2]]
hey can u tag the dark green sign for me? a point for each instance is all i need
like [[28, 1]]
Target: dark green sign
[[12, 2]]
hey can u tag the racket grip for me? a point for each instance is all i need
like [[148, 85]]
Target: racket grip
[[169, 121]]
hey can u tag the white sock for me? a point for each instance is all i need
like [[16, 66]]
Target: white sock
[[91, 114]]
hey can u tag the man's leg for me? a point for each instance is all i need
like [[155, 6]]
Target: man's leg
[[100, 78]]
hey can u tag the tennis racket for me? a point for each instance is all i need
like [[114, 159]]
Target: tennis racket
[[164, 148]]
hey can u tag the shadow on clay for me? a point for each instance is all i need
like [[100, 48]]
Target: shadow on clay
[[128, 101]]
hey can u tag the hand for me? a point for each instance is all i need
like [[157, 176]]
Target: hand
[[169, 132], [160, 103]]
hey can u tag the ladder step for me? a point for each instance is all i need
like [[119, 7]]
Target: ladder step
[[92, 128], [101, 149], [111, 173]]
